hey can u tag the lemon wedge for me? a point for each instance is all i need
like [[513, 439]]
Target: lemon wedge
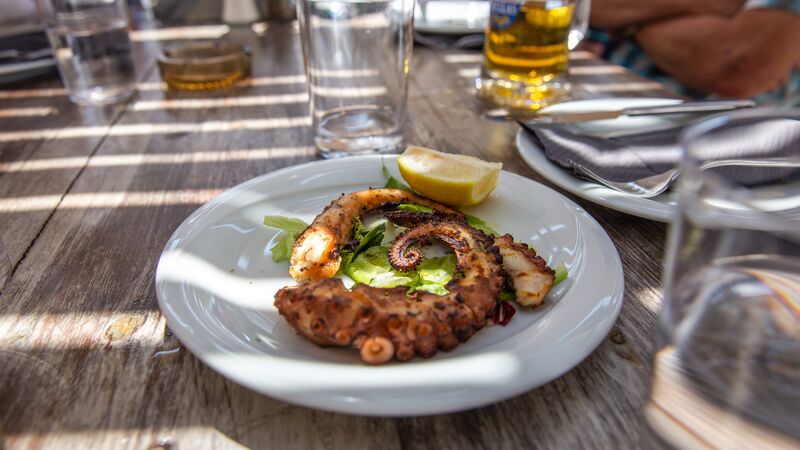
[[456, 180]]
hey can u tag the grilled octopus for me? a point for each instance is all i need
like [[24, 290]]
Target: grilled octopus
[[386, 323], [315, 255], [527, 273]]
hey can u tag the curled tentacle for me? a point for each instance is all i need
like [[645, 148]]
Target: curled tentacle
[[330, 315], [315, 255], [410, 219], [404, 257]]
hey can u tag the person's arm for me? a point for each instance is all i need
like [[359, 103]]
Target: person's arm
[[612, 15], [750, 53]]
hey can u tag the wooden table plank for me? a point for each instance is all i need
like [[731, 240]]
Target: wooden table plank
[[80, 315]]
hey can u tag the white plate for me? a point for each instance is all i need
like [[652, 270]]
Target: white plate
[[659, 208], [215, 283]]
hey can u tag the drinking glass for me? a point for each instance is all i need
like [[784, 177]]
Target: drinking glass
[[526, 51], [91, 47], [356, 57], [727, 368]]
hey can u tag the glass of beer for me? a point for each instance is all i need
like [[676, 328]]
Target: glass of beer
[[525, 55]]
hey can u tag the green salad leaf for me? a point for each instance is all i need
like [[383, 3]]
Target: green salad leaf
[[282, 249], [391, 182], [413, 208], [287, 224], [363, 239], [479, 224], [373, 237], [433, 274], [507, 296], [561, 274], [372, 268]]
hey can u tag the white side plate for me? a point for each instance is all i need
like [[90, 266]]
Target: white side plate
[[660, 208]]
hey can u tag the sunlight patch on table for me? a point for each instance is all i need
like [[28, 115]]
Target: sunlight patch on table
[[180, 33], [161, 86], [260, 28], [215, 126], [597, 70], [460, 58], [88, 329], [354, 73], [581, 55], [472, 72], [22, 93], [27, 112], [630, 86], [226, 102], [186, 437], [107, 200], [367, 91], [220, 156]]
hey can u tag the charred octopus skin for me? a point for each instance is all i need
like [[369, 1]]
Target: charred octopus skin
[[529, 274], [386, 323], [315, 255]]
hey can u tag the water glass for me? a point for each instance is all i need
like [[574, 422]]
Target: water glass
[[727, 367], [357, 60], [91, 47], [526, 51]]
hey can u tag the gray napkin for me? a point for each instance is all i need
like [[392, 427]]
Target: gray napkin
[[636, 156]]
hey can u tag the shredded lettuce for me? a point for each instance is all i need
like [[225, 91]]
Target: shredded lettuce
[[282, 249], [391, 182]]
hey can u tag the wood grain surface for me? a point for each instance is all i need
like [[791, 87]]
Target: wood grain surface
[[88, 198]]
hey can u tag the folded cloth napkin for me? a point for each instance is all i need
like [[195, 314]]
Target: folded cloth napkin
[[635, 156]]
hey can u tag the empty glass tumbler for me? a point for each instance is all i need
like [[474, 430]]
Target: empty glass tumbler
[[727, 366], [91, 48], [357, 61]]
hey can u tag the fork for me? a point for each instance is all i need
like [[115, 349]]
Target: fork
[[656, 184]]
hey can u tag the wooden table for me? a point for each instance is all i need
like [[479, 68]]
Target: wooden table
[[88, 197]]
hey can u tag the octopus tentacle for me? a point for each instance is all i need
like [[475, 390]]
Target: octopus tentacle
[[315, 254], [528, 273], [410, 219], [382, 321]]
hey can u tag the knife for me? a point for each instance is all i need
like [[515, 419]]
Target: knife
[[677, 108]]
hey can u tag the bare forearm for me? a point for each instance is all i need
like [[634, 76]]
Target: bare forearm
[[617, 14], [740, 56]]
